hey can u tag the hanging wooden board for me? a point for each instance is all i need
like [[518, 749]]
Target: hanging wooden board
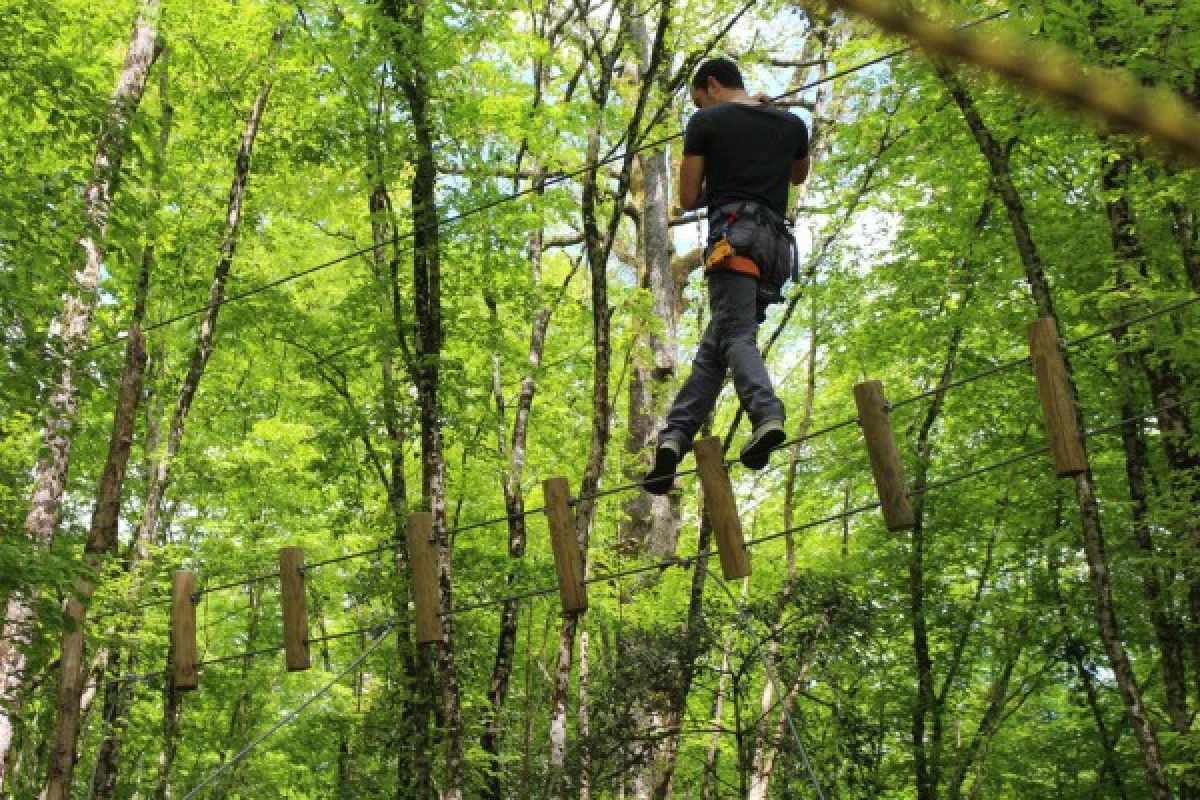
[[295, 609], [568, 560], [886, 466], [184, 676], [426, 596], [1057, 400], [722, 508]]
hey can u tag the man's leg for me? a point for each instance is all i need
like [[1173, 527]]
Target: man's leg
[[735, 315], [698, 396], [692, 406]]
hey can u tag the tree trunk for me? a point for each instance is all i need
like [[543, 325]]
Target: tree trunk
[[79, 304], [693, 647], [103, 532], [926, 707], [172, 710], [216, 296], [597, 248], [513, 453], [1129, 254], [1187, 233], [242, 714], [102, 538], [763, 763], [414, 780], [998, 699], [708, 783], [408, 38], [1077, 652], [1093, 535], [119, 696], [651, 524], [583, 718], [160, 477]]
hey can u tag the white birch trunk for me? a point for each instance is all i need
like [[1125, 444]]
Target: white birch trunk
[[79, 305]]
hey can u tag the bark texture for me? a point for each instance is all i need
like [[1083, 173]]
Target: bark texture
[[1130, 258], [102, 539], [408, 31], [1093, 535], [79, 305], [598, 245]]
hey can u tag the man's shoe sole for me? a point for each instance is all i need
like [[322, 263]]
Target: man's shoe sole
[[661, 476], [757, 455]]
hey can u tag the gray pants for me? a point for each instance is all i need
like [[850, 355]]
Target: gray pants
[[728, 342]]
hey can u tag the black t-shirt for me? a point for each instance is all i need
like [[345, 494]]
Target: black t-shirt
[[748, 152]]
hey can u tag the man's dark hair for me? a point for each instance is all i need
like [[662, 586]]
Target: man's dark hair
[[725, 71]]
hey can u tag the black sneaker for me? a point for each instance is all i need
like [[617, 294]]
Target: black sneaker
[[763, 441], [661, 476]]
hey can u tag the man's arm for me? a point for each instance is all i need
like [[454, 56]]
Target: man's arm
[[691, 183], [800, 170]]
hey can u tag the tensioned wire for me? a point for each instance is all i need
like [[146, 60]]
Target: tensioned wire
[[552, 180], [450, 219], [699, 559], [691, 560], [845, 423]]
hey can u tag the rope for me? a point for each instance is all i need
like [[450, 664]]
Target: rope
[[665, 564], [291, 716]]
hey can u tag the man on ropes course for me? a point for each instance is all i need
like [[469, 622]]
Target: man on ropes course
[[739, 155]]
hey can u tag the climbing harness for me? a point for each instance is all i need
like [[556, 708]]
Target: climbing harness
[[753, 238]]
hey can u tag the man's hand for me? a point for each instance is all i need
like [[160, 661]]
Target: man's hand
[[800, 169]]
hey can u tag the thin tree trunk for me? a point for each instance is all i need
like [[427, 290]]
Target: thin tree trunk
[[172, 711], [998, 698], [413, 763], [1093, 535], [79, 304], [241, 715], [119, 696], [763, 763], [709, 781], [597, 246], [693, 647], [797, 450], [103, 532], [583, 718], [1187, 233], [926, 707], [1076, 652], [102, 538], [1129, 253], [216, 295], [408, 36], [160, 477], [513, 453]]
